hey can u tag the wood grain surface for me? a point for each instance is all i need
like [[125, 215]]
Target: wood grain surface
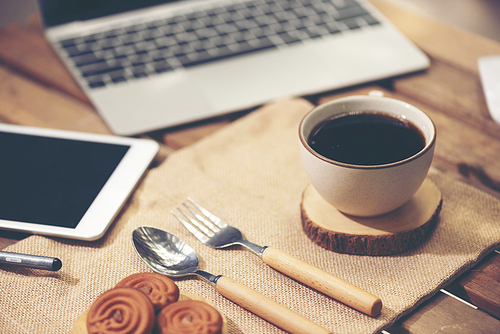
[[35, 89]]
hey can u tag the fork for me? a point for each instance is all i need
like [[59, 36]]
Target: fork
[[214, 232]]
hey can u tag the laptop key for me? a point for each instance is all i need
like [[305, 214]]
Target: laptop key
[[289, 37], [86, 59], [99, 68], [350, 12], [95, 81], [94, 37], [130, 39], [332, 27], [139, 71], [114, 32], [313, 32], [370, 19], [108, 44], [117, 76], [351, 23], [135, 28], [75, 50], [345, 4], [162, 66], [97, 84], [121, 51], [68, 42]]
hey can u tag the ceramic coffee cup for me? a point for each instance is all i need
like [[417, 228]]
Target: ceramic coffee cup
[[367, 190]]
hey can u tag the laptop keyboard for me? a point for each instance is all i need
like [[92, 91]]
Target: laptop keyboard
[[209, 35]]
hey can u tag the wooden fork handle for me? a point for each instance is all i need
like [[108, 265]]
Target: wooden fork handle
[[322, 281], [267, 308]]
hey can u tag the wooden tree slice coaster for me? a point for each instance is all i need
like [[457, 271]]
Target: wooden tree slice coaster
[[392, 233]]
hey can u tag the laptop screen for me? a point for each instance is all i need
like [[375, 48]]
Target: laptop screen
[[55, 12]]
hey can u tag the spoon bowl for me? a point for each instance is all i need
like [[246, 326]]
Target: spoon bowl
[[166, 254]]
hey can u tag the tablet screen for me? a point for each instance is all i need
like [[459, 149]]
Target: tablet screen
[[52, 181]]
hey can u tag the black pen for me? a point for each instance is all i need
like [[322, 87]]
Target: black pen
[[30, 261]]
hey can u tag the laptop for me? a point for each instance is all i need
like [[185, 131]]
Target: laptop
[[151, 64]]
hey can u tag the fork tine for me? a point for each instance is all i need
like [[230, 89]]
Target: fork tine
[[202, 236], [199, 223], [216, 220], [202, 219]]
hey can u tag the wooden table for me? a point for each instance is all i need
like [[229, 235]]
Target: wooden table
[[36, 90]]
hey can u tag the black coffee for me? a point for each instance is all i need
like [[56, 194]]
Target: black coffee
[[366, 138]]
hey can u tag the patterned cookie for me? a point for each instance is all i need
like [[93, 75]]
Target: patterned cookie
[[121, 310], [189, 317], [160, 289]]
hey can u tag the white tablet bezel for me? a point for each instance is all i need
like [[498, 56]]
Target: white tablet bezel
[[112, 196]]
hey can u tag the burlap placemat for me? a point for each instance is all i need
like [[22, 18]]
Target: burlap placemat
[[250, 174]]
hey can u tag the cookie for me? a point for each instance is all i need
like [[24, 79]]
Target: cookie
[[160, 289], [121, 310], [189, 317]]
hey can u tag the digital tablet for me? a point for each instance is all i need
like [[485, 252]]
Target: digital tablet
[[64, 183]]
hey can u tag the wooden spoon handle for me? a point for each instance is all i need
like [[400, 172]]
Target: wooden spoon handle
[[267, 308], [322, 281]]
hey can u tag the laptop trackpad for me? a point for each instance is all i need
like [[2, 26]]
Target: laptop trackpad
[[141, 105], [260, 78]]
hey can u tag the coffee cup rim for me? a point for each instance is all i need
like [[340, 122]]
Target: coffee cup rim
[[428, 145]]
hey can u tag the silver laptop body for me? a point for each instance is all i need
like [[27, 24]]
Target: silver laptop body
[[300, 47]]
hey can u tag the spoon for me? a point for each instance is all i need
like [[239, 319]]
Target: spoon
[[168, 255]]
